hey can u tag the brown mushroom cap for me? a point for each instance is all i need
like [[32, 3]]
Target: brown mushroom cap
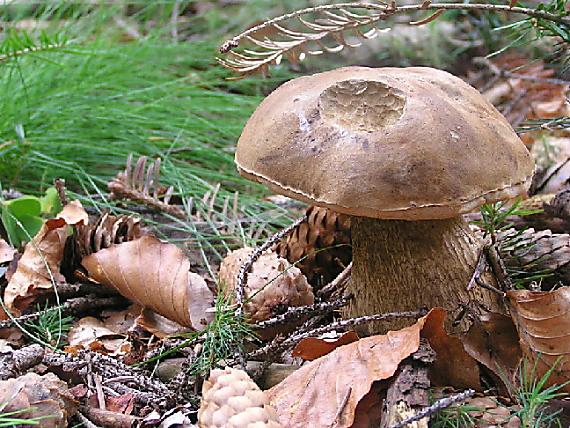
[[389, 143]]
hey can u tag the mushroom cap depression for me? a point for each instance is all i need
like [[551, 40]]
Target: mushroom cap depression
[[388, 143]]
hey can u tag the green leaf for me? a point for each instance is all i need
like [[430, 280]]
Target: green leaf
[[29, 205], [51, 205], [21, 219]]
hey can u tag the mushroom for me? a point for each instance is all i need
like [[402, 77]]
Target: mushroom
[[405, 152]]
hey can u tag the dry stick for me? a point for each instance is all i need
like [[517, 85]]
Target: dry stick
[[391, 10], [479, 269], [337, 282], [436, 407], [72, 306], [302, 311], [276, 346], [19, 361], [59, 184], [499, 72], [498, 267]]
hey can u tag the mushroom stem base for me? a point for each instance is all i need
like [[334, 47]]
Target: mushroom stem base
[[405, 266]]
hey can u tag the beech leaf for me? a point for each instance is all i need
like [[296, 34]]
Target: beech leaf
[[38, 267], [311, 348], [542, 319], [7, 252], [155, 275], [452, 365], [326, 391]]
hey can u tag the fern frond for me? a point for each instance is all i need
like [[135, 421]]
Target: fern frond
[[17, 44], [308, 31]]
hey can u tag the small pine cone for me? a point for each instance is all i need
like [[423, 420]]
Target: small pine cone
[[538, 251], [306, 243], [108, 230], [272, 282], [230, 399]]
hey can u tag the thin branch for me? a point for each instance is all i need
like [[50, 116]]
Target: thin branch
[[436, 407], [281, 343], [337, 282], [234, 42], [334, 21], [294, 313]]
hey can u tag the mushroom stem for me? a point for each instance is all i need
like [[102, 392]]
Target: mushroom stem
[[407, 265]]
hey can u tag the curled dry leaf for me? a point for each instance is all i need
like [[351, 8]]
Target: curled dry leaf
[[155, 275], [452, 366], [33, 396], [38, 267], [326, 392], [158, 325], [311, 348], [91, 333], [494, 342], [7, 252], [543, 321]]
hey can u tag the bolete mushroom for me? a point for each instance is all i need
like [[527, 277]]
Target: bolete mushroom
[[405, 151]]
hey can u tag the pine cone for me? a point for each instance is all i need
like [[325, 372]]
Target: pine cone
[[306, 245], [108, 230], [230, 399], [538, 251], [272, 283]]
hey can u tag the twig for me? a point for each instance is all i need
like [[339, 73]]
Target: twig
[[234, 42], [59, 184], [72, 307], [337, 282], [281, 343], [498, 267], [479, 269], [501, 73], [174, 21], [85, 422], [19, 361], [436, 407], [294, 313]]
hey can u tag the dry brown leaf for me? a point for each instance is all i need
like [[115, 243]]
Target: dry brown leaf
[[38, 267], [155, 275], [91, 333], [452, 366], [45, 397], [542, 319], [121, 404], [121, 321], [491, 413], [311, 348], [74, 213], [494, 342], [158, 325], [7, 253], [325, 392]]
